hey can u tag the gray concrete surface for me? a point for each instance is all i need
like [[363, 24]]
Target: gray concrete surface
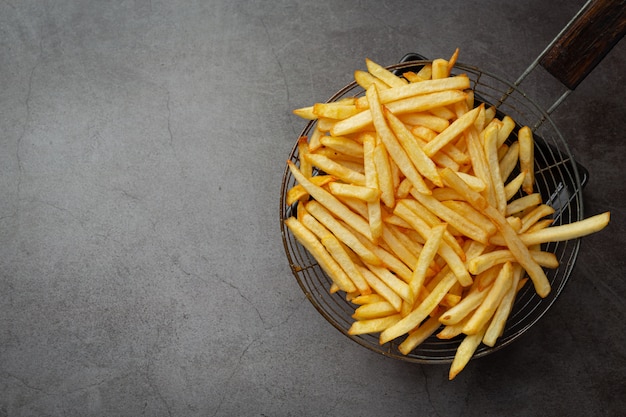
[[141, 265]]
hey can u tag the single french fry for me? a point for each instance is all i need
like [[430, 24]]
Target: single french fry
[[367, 194], [513, 186], [455, 129], [507, 126], [364, 79], [373, 325], [523, 203], [491, 152], [384, 74], [303, 150], [343, 145], [564, 232], [305, 113], [440, 68], [367, 299], [487, 260], [374, 210], [335, 110], [464, 352], [385, 177], [527, 157], [374, 310], [430, 121], [334, 168], [426, 256]]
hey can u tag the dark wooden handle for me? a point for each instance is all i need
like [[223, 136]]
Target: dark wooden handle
[[586, 41]]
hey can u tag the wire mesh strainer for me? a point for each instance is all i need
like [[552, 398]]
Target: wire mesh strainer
[[558, 178]]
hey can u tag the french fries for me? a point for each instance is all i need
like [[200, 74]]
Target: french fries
[[404, 199]]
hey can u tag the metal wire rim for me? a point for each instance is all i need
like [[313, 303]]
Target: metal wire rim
[[557, 179]]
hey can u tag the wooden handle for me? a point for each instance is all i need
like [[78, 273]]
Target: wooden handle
[[586, 41]]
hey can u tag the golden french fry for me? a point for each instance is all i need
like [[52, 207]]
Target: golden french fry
[[523, 203], [513, 186], [440, 68], [564, 232], [426, 256], [367, 194], [491, 152], [464, 352], [367, 299], [455, 129], [374, 310], [527, 157], [427, 120], [373, 325], [343, 145], [334, 168], [305, 113], [335, 110], [384, 74], [365, 79], [374, 210], [507, 126], [485, 261]]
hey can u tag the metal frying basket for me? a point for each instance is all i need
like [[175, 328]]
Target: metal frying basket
[[597, 28]]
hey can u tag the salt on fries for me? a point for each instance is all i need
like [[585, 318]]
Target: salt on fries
[[415, 215]]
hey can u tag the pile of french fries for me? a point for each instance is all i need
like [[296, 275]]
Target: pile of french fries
[[421, 207]]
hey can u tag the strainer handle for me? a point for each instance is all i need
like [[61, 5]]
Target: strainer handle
[[585, 41]]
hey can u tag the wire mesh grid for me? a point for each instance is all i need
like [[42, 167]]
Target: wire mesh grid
[[557, 178]]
